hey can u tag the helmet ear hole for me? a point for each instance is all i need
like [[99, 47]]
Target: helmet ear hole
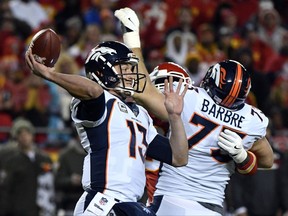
[[98, 74]]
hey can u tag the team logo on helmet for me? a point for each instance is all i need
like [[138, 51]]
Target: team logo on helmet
[[218, 74], [100, 51]]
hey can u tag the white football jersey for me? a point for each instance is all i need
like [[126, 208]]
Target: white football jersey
[[116, 145], [206, 175]]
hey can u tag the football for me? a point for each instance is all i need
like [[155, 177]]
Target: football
[[46, 47]]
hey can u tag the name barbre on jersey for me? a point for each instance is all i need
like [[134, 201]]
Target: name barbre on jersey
[[221, 113]]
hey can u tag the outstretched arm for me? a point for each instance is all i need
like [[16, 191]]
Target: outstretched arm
[[78, 86], [151, 98], [174, 107]]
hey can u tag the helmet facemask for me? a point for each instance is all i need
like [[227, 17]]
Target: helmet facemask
[[135, 78]]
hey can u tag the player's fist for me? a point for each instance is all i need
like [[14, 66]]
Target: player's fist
[[130, 26], [128, 19], [231, 142]]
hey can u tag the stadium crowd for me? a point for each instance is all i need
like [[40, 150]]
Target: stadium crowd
[[194, 34]]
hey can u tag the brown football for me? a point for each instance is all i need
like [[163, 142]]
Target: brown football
[[46, 46]]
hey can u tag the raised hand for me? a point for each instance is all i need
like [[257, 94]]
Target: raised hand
[[174, 99], [130, 25], [128, 19]]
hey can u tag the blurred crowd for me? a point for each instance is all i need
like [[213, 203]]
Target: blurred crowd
[[194, 34]]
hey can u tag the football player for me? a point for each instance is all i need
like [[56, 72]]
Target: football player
[[116, 135], [224, 133], [158, 75]]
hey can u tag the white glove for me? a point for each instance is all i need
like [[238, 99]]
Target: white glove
[[231, 142], [130, 25]]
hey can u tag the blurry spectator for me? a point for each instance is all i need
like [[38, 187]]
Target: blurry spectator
[[153, 15], [202, 11], [51, 7], [5, 92], [28, 182], [7, 149], [89, 38], [261, 84], [263, 54], [69, 174], [282, 8], [37, 103], [194, 68], [230, 21], [14, 88], [108, 27], [70, 9], [21, 8], [180, 40], [13, 46], [263, 194], [284, 53], [207, 47], [5, 124], [73, 31], [218, 13], [10, 25], [280, 128], [153, 59], [236, 7], [228, 43], [279, 92], [270, 28], [92, 14]]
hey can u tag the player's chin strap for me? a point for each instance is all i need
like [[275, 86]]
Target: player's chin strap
[[125, 92], [249, 165]]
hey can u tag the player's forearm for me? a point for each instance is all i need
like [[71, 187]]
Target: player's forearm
[[265, 162], [178, 141], [153, 102], [264, 153], [141, 66], [151, 98], [78, 86]]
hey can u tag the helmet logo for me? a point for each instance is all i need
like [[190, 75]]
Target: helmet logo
[[218, 74], [100, 51], [222, 77], [112, 79]]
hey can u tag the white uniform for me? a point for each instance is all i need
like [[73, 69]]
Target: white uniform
[[116, 145], [206, 175]]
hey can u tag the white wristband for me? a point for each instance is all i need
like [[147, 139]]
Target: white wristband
[[132, 39]]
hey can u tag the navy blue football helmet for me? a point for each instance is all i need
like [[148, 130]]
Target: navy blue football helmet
[[100, 67], [228, 83]]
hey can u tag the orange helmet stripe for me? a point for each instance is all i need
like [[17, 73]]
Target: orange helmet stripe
[[235, 90]]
